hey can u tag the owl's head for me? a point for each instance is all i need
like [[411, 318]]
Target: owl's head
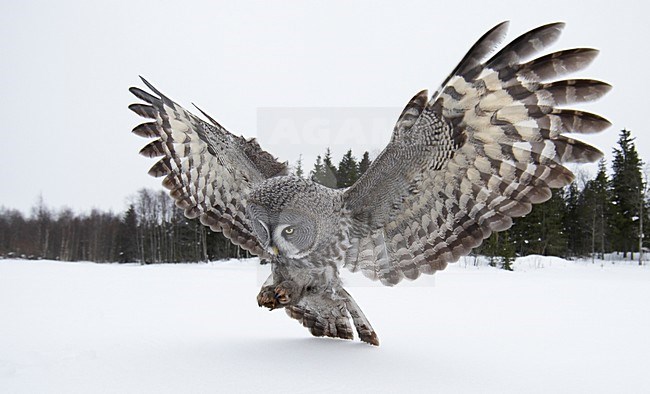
[[290, 216]]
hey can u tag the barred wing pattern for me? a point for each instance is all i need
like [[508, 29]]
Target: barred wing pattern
[[486, 146], [208, 170]]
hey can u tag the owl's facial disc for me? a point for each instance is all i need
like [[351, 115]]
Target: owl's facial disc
[[286, 239], [261, 231], [289, 233], [259, 220], [293, 234]]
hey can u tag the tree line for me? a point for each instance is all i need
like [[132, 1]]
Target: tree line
[[590, 217], [587, 218], [151, 230]]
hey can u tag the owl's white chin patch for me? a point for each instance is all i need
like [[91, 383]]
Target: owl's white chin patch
[[298, 256]]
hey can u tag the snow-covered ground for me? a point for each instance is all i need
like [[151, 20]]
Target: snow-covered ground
[[551, 326]]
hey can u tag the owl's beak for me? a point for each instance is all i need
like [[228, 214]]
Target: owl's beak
[[274, 250]]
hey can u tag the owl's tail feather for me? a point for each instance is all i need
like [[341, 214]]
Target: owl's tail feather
[[364, 329], [326, 316], [322, 322]]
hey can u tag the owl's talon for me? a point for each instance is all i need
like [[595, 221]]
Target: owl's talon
[[284, 291], [277, 296], [282, 296], [266, 298]]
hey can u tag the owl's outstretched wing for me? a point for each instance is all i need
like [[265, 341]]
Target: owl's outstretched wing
[[208, 170], [486, 146]]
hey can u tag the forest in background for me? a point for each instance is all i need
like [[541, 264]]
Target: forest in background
[[590, 217]]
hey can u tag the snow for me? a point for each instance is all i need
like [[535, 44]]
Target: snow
[[550, 326]]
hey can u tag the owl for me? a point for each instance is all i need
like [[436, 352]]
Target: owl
[[461, 163]]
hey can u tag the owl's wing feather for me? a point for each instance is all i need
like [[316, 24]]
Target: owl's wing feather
[[208, 170], [486, 146]]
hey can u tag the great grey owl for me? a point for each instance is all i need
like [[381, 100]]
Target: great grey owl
[[461, 163]]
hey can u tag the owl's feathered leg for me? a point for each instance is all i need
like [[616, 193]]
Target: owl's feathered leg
[[322, 316], [318, 301], [328, 314]]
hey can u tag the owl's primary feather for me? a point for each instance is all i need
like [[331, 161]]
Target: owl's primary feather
[[208, 170], [485, 147], [481, 151]]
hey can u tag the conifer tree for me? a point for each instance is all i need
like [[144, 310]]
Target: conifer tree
[[127, 247], [315, 173], [299, 171], [542, 230], [499, 249], [595, 209], [324, 171], [626, 189], [321, 175], [348, 171], [553, 216], [330, 169], [507, 250], [364, 164], [526, 233], [574, 222]]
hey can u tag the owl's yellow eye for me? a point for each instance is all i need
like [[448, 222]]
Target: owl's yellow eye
[[288, 230]]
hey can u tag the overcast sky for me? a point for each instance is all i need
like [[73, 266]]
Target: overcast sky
[[65, 67]]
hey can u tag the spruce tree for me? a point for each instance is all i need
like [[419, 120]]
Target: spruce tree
[[595, 208], [364, 164], [127, 247], [526, 233], [330, 170], [491, 249], [499, 249], [321, 174], [348, 171], [324, 171], [542, 231], [574, 222], [554, 234], [299, 171], [315, 174], [507, 249], [626, 189]]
